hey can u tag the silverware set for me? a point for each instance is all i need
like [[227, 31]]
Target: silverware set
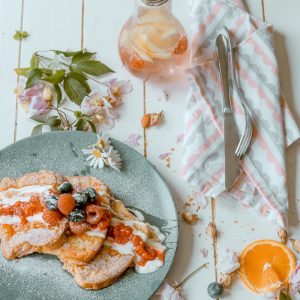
[[235, 146]]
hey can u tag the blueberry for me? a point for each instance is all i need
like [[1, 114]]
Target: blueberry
[[215, 290], [65, 187], [91, 194], [51, 202], [80, 199], [77, 215]]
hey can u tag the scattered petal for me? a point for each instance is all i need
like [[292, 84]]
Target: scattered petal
[[180, 138], [167, 292], [164, 155], [200, 199], [133, 140], [229, 262], [204, 252], [163, 96], [190, 218]]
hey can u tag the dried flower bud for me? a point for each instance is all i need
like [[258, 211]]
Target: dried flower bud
[[190, 218], [146, 120], [225, 280], [283, 235], [47, 93], [155, 119], [211, 230], [296, 244]]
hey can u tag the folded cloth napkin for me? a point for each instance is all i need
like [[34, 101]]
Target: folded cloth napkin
[[262, 183]]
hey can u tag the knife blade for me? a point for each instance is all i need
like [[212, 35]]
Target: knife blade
[[231, 136]]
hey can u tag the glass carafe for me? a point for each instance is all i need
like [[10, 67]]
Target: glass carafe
[[152, 41]]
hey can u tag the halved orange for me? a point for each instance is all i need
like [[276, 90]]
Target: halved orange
[[266, 265]]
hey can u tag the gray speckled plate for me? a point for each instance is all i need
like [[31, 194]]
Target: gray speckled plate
[[139, 185]]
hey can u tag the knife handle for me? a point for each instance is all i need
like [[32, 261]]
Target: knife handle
[[222, 50]]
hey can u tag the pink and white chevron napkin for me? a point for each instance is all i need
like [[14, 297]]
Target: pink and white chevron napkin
[[262, 184]]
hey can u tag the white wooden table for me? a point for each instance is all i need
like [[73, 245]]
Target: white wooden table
[[95, 25]]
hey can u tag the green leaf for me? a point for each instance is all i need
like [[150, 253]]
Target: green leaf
[[37, 129], [23, 71], [81, 78], [56, 78], [53, 121], [58, 93], [40, 119], [46, 71], [92, 125], [81, 125], [83, 56], [78, 114], [75, 90], [20, 35], [283, 296], [34, 62], [33, 77], [67, 53], [93, 67]]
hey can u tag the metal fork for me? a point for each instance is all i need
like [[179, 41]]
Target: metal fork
[[245, 140]]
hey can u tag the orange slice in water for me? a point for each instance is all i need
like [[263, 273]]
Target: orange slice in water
[[266, 265]]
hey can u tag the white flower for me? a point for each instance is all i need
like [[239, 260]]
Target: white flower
[[167, 292], [102, 154], [103, 142], [114, 160], [229, 262], [96, 157]]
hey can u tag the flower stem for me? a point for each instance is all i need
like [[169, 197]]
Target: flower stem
[[191, 275]]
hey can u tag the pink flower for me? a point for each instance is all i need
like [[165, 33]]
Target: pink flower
[[116, 88], [38, 106], [33, 102], [97, 106], [27, 94]]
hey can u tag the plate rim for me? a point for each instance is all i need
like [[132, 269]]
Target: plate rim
[[139, 154]]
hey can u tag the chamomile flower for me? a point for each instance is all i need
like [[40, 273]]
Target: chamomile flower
[[102, 153], [96, 157], [103, 142], [114, 160]]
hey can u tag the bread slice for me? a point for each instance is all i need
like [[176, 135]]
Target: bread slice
[[18, 240], [81, 249], [102, 271]]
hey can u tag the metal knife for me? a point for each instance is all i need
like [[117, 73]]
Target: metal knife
[[231, 136]]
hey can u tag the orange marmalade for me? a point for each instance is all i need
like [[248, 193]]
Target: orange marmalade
[[23, 209], [123, 234]]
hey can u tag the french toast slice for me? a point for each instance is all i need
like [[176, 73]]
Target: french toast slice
[[80, 249], [18, 239], [102, 271]]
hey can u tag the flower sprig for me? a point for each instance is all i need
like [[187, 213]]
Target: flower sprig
[[102, 153], [50, 82]]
